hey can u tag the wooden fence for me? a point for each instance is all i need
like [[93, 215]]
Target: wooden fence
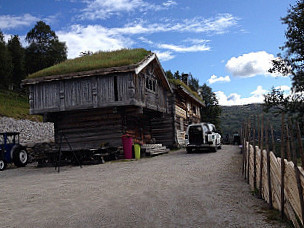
[[279, 182]]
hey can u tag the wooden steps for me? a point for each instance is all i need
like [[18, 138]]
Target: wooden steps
[[154, 149]]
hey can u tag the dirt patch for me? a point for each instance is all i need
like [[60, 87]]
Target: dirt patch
[[173, 190]]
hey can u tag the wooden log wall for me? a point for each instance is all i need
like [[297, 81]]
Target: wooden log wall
[[81, 93], [163, 131], [89, 129], [119, 89], [163, 128]]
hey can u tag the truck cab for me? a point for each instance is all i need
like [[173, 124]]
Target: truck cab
[[202, 136]]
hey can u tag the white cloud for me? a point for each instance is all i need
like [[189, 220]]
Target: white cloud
[[164, 56], [214, 79], [96, 37], [102, 9], [236, 99], [283, 88], [199, 45], [91, 38], [251, 64], [10, 21], [176, 48], [169, 3]]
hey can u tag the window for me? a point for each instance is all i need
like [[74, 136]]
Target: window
[[151, 84], [194, 109]]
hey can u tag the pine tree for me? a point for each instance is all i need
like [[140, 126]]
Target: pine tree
[[44, 48], [5, 64], [17, 55]]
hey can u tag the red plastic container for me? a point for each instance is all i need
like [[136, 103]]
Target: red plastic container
[[127, 146]]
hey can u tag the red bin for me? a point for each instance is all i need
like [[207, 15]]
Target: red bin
[[127, 146]]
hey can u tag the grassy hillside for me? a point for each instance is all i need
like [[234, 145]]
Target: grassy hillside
[[16, 106], [233, 116]]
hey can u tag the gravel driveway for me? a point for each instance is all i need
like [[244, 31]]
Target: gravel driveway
[[173, 190]]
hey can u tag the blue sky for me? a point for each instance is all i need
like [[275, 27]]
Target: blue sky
[[227, 44]]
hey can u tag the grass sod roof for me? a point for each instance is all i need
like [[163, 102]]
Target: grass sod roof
[[180, 83], [95, 61]]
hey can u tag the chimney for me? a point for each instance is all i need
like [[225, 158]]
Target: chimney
[[185, 78]]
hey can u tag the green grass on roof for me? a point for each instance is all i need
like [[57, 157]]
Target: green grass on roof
[[95, 61], [179, 82]]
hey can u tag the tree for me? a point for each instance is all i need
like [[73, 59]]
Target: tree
[[193, 83], [5, 63], [44, 48], [169, 74], [212, 111], [177, 75], [290, 63], [17, 55]]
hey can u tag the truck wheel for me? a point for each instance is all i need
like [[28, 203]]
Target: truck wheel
[[189, 150], [2, 164], [214, 149], [20, 157]]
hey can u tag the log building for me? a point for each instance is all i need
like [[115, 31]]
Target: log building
[[97, 106]]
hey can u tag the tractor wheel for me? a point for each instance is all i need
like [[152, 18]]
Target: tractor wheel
[[2, 164], [20, 157]]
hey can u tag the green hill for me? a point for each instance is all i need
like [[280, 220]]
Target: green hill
[[15, 105], [233, 116]]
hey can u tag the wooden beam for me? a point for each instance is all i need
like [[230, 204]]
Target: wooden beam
[[254, 156], [261, 161], [300, 144], [297, 171], [268, 165], [282, 165]]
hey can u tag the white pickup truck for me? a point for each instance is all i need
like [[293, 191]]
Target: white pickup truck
[[202, 136]]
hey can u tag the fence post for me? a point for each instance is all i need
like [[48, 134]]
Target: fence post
[[272, 139], [288, 143], [268, 165], [262, 157], [297, 171], [254, 156], [248, 150], [243, 148], [300, 144], [282, 165]]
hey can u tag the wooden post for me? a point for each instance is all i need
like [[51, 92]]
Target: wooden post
[[268, 166], [272, 140], [288, 144], [243, 149], [248, 150], [282, 165], [300, 144], [297, 171], [254, 155], [262, 157], [259, 132]]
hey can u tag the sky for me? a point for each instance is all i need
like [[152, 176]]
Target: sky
[[227, 44]]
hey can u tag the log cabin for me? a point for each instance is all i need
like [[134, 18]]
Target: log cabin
[[187, 108], [96, 99]]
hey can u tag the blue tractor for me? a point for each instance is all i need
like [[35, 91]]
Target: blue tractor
[[11, 150]]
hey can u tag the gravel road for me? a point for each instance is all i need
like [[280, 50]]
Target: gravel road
[[173, 190]]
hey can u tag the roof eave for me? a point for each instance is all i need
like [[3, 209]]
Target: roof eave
[[192, 96]]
